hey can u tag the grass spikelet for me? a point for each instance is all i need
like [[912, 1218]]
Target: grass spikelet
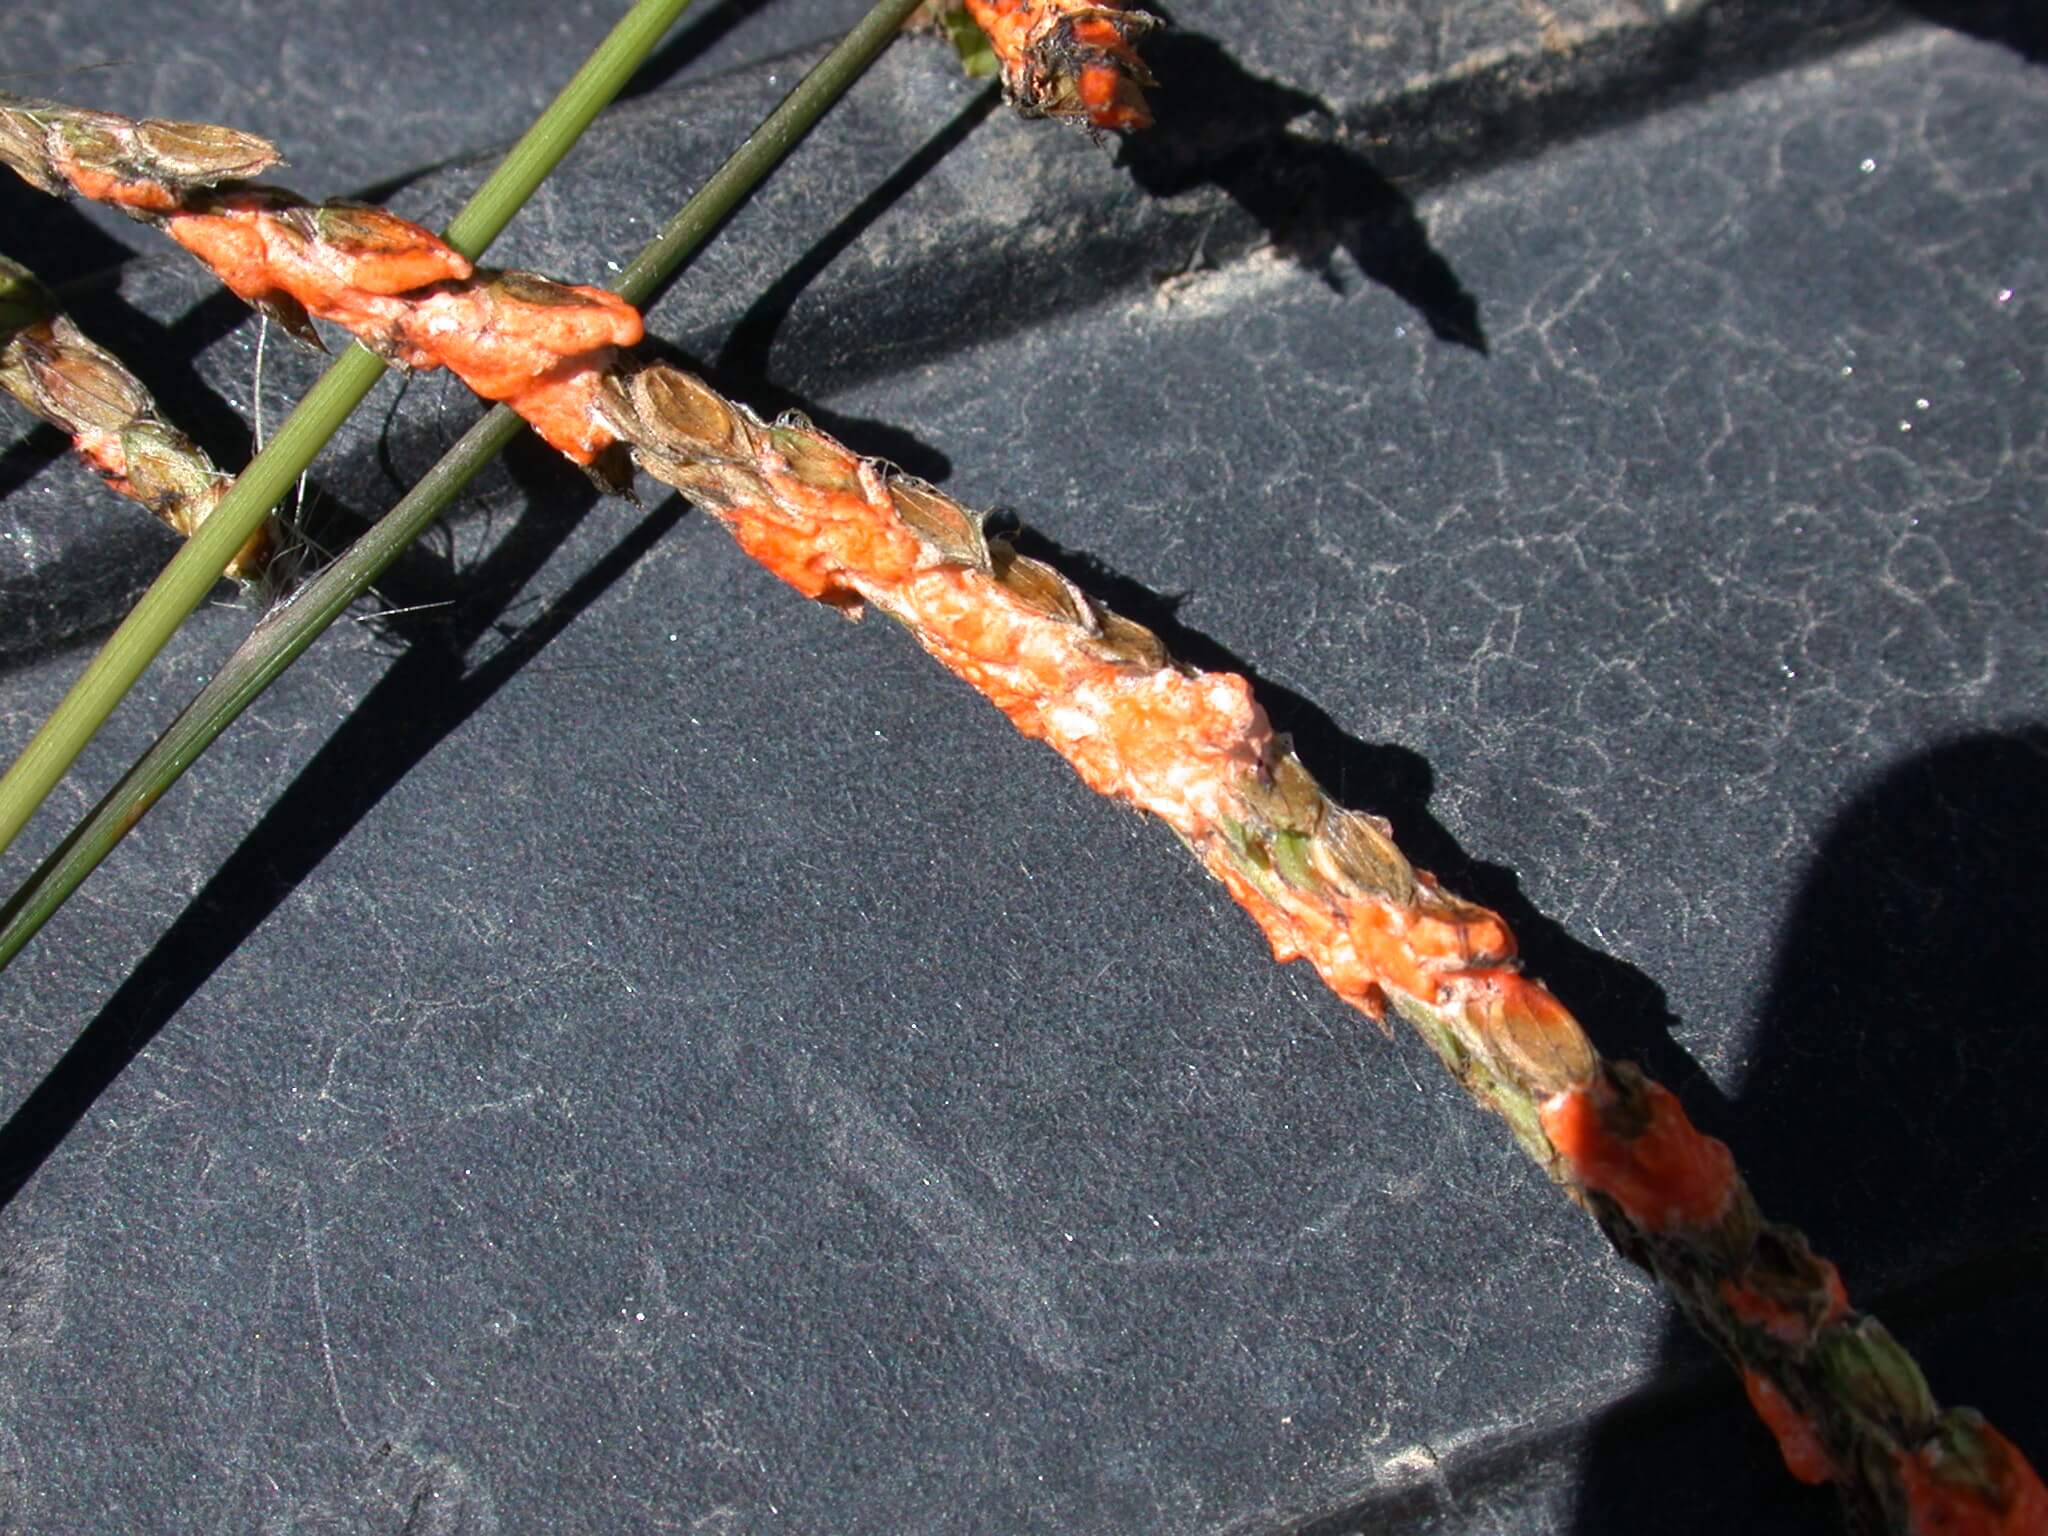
[[535, 344], [84, 391], [141, 166]]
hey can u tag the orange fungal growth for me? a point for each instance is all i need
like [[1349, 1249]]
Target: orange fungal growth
[[263, 245], [540, 347], [1998, 1494], [379, 252], [1641, 1151], [1783, 1318], [145, 166], [101, 450], [1069, 58], [1167, 741], [1195, 749], [1190, 747], [141, 193], [1798, 1440]]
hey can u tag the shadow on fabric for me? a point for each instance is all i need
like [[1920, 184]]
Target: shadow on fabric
[[425, 695], [1284, 157], [1624, 1010], [2021, 25], [1892, 1112]]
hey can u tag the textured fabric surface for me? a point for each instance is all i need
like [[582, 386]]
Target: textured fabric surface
[[616, 1048]]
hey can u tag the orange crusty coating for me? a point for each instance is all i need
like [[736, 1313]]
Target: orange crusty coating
[[1788, 1324], [2002, 1496], [1662, 1172], [539, 347], [1185, 745], [1798, 1441], [141, 193], [1797, 1328], [147, 166], [542, 348], [1069, 58], [102, 451], [1942, 1502], [260, 245]]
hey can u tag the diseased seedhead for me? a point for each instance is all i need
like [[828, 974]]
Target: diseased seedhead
[[1070, 59], [145, 167], [383, 253], [1086, 66], [69, 381], [202, 154]]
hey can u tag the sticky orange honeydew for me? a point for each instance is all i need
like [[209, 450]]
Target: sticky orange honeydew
[[103, 451], [1008, 23], [1798, 1440], [1111, 96], [545, 361], [1937, 1506], [1179, 744], [117, 191], [1781, 1322], [1015, 27], [1668, 1176], [420, 302], [259, 256]]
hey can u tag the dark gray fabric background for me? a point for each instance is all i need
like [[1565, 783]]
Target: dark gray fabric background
[[615, 1048]]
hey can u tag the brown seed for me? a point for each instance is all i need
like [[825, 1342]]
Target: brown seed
[[96, 139], [1044, 588], [667, 410], [532, 288], [81, 385], [1538, 1045], [941, 522], [1361, 850], [1131, 643], [203, 153], [821, 464]]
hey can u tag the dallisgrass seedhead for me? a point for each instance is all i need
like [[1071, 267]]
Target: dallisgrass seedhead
[[1192, 748], [59, 374], [141, 165], [192, 572], [1070, 59]]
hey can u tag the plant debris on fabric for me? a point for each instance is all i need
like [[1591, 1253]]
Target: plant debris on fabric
[[1193, 748]]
